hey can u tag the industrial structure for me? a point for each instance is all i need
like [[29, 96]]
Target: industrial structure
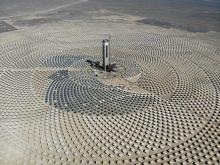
[[106, 64], [105, 54]]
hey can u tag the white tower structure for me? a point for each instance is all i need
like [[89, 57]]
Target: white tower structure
[[105, 53]]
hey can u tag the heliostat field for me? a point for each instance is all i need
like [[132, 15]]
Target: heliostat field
[[54, 109]]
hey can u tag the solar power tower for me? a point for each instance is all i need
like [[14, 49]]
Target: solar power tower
[[105, 54]]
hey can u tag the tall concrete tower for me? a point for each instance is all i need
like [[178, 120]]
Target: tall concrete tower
[[105, 53]]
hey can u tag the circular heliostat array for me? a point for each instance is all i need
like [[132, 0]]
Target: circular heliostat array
[[55, 110]]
